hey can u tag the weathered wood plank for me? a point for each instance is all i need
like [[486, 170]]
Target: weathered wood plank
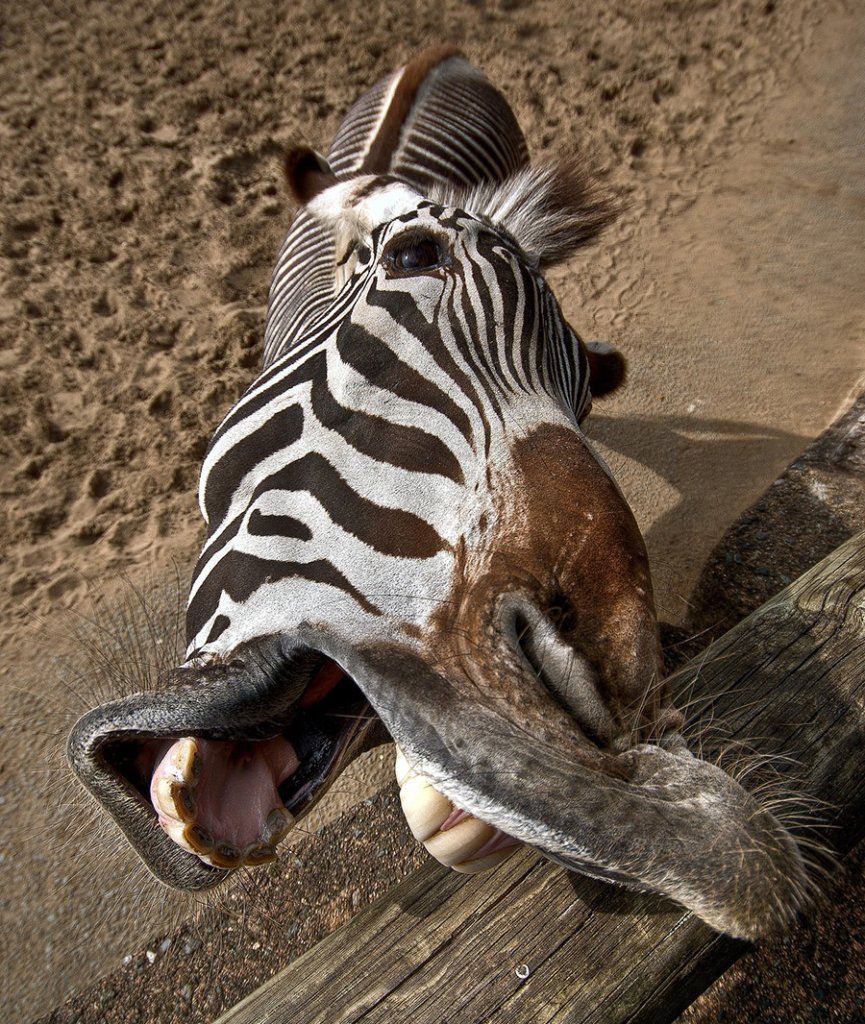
[[789, 680]]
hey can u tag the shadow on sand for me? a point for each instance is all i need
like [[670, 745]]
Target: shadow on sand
[[716, 467]]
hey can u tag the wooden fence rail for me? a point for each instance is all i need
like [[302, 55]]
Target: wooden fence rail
[[531, 943]]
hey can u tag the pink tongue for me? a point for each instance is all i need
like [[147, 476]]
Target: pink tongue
[[237, 787]]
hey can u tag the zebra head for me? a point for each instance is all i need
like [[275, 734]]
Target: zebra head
[[408, 528]]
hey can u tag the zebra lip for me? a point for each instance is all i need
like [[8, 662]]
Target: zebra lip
[[223, 797], [169, 785]]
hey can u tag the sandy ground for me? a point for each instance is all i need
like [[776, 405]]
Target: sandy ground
[[142, 210]]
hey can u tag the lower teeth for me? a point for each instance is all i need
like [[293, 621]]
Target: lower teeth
[[427, 810]]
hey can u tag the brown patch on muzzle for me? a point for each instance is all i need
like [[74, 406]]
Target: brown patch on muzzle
[[567, 546]]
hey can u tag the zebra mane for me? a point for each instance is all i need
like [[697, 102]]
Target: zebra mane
[[551, 210]]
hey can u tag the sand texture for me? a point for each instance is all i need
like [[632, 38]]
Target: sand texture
[[142, 211]]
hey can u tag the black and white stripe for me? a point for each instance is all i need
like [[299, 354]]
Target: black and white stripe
[[377, 439]]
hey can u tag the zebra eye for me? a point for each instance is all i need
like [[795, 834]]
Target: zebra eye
[[414, 252]]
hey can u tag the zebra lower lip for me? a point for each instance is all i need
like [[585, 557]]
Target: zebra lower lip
[[228, 801]]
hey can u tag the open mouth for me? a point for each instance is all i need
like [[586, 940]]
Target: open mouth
[[229, 796], [209, 773]]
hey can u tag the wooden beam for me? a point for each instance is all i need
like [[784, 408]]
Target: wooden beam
[[531, 943]]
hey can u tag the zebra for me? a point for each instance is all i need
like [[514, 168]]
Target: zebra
[[410, 536]]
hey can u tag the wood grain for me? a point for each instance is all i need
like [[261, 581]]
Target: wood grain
[[440, 947]]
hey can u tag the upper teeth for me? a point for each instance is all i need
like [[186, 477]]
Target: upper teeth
[[425, 809]]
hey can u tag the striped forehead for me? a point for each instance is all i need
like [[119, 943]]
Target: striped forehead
[[373, 208]]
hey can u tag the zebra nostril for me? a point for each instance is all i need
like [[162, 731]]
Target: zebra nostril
[[562, 614], [564, 671]]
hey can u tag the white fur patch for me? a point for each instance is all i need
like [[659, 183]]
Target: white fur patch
[[352, 210]]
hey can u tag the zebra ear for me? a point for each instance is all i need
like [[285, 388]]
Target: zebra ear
[[607, 368], [307, 174]]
